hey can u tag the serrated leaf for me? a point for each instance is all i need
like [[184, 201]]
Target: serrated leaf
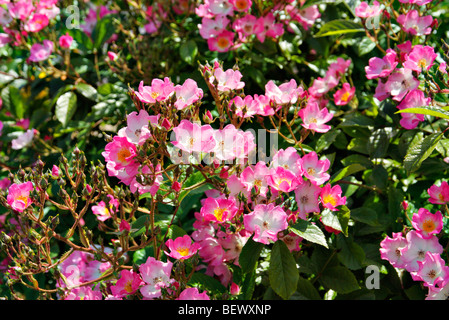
[[249, 255], [66, 107], [338, 27], [337, 220], [427, 110], [326, 140], [87, 91], [103, 30], [13, 101], [420, 151], [347, 171], [82, 40], [309, 232], [283, 273], [339, 279], [175, 231]]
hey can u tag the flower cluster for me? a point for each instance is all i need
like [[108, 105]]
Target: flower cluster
[[402, 69], [418, 250], [21, 18], [250, 207], [152, 280], [227, 25]]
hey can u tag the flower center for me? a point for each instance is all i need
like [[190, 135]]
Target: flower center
[[183, 251], [428, 226], [24, 199], [248, 28], [223, 42], [311, 171], [241, 4], [431, 274], [191, 142], [422, 63], [156, 280], [218, 213], [330, 199], [345, 97], [129, 286], [123, 154], [421, 254], [154, 94], [313, 120]]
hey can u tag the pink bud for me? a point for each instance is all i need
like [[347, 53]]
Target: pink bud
[[65, 41], [55, 171], [166, 124], [124, 225], [112, 56], [208, 118], [176, 186], [404, 205], [235, 289], [434, 24], [88, 188], [224, 174]]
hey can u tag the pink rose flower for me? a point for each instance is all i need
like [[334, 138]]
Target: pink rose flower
[[19, 196]]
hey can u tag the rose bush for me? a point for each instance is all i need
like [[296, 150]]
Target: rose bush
[[224, 150]]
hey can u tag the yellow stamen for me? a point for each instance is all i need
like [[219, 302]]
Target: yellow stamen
[[218, 213], [345, 96], [123, 154], [223, 42], [129, 286], [428, 226], [330, 199], [183, 251]]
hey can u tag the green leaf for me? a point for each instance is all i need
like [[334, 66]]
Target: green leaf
[[249, 255], [309, 232], [66, 107], [207, 282], [365, 215], [13, 101], [193, 179], [427, 110], [309, 3], [339, 279], [326, 140], [87, 91], [420, 151], [347, 171], [82, 40], [379, 142], [175, 231], [282, 273], [350, 253], [337, 220], [305, 290], [188, 51], [103, 30], [338, 27], [364, 46], [138, 226]]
